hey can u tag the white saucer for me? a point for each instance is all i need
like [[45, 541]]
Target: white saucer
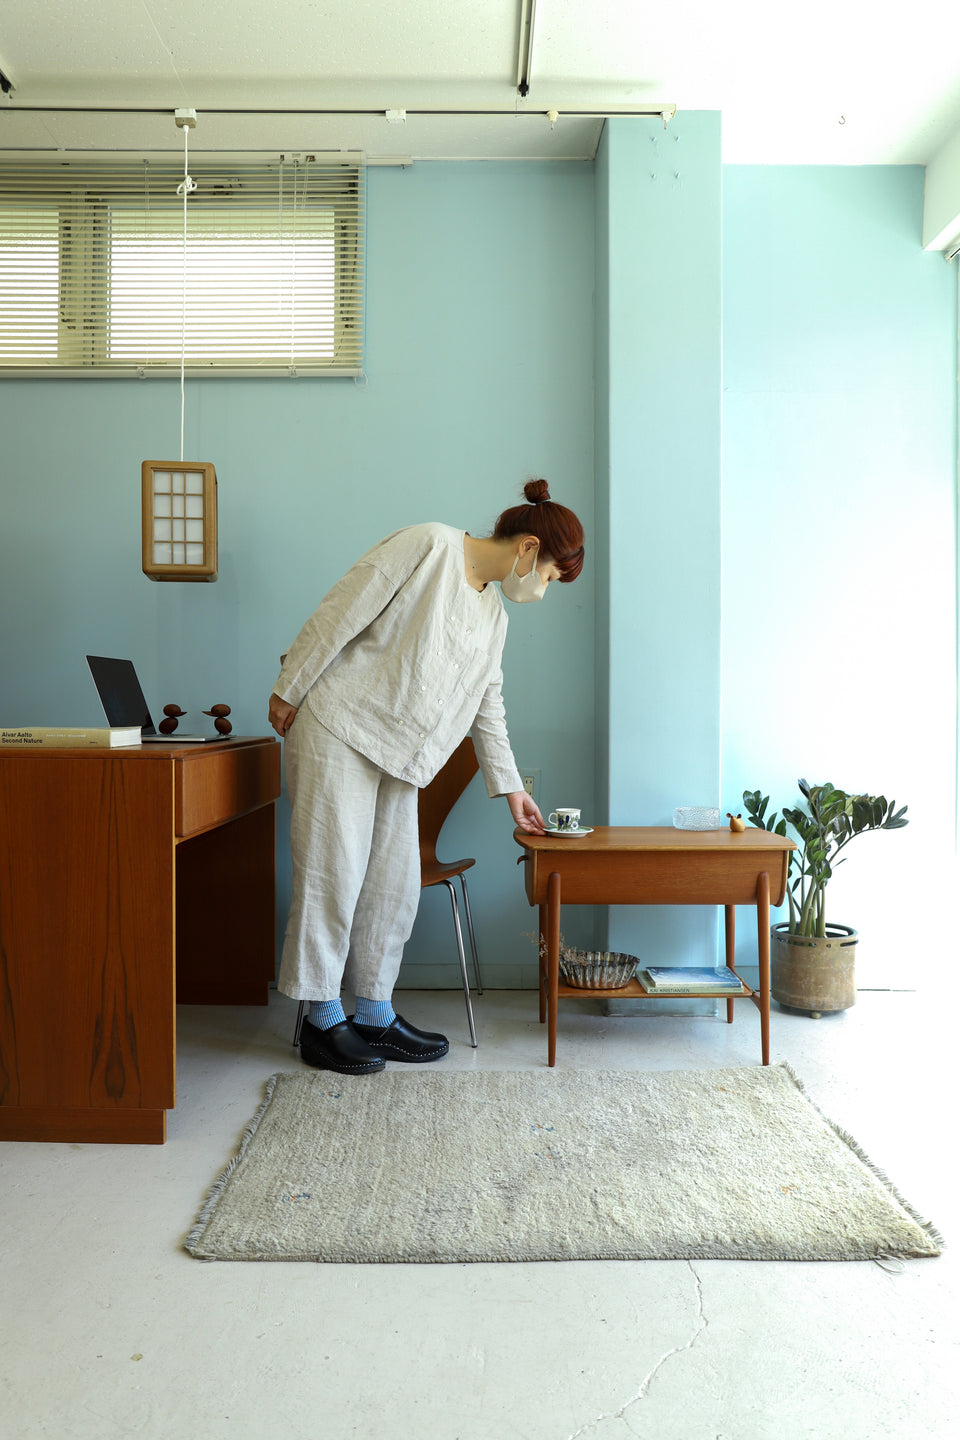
[[584, 830]]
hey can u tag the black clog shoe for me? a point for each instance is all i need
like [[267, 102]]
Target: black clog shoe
[[340, 1048], [402, 1041]]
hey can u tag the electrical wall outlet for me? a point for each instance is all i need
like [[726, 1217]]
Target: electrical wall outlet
[[531, 783]]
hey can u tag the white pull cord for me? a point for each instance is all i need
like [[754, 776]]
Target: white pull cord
[[185, 189]]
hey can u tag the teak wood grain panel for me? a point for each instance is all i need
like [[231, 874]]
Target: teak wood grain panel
[[119, 871], [86, 935], [218, 783]]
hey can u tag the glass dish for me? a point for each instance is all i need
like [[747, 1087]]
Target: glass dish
[[696, 817]]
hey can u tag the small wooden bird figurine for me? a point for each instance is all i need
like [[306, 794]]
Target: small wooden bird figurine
[[173, 713], [221, 723], [736, 824]]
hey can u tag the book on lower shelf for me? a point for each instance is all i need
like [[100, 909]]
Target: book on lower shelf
[[72, 737], [690, 980]]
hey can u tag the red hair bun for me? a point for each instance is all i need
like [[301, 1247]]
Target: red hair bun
[[536, 491], [557, 528]]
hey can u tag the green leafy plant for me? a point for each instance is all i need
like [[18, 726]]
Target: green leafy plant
[[832, 819]]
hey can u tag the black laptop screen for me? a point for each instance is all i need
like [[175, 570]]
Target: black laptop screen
[[120, 694]]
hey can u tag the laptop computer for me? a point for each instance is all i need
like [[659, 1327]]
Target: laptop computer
[[123, 702]]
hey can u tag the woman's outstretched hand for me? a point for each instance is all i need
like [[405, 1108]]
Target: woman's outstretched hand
[[524, 810], [281, 714]]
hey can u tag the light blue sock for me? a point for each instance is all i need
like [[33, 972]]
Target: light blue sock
[[325, 1013], [374, 1012]]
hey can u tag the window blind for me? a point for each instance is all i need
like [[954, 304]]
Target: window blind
[[95, 275]]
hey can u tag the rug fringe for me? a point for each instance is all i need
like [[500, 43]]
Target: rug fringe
[[195, 1235], [926, 1225]]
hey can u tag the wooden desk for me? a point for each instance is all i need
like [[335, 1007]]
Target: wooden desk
[[625, 865], [129, 879]]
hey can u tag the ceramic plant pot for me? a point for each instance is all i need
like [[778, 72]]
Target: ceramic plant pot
[[813, 973]]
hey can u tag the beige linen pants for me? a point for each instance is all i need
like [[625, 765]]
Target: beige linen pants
[[356, 868]]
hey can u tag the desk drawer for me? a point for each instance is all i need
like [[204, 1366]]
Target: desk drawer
[[215, 786]]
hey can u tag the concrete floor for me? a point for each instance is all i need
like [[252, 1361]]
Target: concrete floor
[[108, 1328]]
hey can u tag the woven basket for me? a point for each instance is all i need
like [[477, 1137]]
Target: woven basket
[[597, 969]]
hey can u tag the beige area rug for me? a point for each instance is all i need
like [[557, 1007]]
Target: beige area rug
[[417, 1167]]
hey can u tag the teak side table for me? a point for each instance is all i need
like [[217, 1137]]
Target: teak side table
[[653, 865]]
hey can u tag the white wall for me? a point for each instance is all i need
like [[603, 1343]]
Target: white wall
[[839, 514]]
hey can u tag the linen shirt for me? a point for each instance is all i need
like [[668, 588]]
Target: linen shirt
[[402, 658]]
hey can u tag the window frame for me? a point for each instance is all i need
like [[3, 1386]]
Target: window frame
[[83, 287]]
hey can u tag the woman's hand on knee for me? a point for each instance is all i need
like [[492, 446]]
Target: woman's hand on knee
[[281, 714]]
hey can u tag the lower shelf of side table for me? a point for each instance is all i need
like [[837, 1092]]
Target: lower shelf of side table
[[633, 990]]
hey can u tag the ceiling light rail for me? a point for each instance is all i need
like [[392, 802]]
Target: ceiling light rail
[[666, 112], [270, 156]]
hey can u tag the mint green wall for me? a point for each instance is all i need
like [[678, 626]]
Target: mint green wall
[[674, 682], [658, 492], [480, 371], [839, 527]]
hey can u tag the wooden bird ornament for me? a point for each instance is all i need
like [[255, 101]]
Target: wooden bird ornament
[[169, 725], [220, 721]]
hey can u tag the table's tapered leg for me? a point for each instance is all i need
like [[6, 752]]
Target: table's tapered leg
[[553, 963], [542, 961], [729, 929], [763, 944]]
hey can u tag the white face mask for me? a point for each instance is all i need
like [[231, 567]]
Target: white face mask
[[523, 588]]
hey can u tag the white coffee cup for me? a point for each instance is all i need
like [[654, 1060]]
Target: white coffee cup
[[564, 818]]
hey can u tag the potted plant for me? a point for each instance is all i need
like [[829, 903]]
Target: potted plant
[[811, 958]]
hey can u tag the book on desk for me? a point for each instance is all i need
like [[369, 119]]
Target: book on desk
[[72, 737]]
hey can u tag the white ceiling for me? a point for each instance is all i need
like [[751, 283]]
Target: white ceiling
[[823, 82]]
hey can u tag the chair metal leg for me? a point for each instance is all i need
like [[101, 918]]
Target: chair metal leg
[[463, 962], [473, 938], [299, 1026]]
